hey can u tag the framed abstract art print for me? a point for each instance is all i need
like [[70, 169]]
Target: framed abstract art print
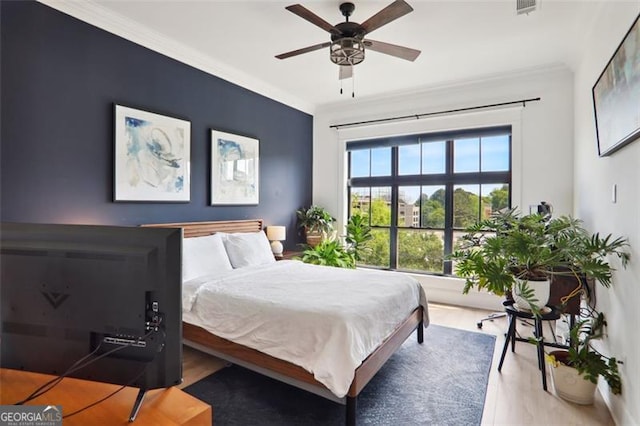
[[616, 95], [152, 157], [235, 172]]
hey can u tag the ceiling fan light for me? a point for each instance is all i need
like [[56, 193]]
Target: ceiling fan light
[[347, 51]]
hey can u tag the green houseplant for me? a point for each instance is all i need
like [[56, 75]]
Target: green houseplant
[[316, 222], [511, 253], [358, 235], [331, 252], [582, 360]]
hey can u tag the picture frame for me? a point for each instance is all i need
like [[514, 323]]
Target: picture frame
[[152, 157], [616, 95], [235, 169]]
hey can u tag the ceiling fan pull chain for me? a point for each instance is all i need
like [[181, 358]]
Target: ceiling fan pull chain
[[353, 84], [341, 87]]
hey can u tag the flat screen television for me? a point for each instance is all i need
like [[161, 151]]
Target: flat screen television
[[71, 291]]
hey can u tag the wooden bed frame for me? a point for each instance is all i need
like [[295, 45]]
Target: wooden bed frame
[[201, 339]]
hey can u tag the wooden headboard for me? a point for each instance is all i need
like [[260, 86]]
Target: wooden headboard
[[200, 229]]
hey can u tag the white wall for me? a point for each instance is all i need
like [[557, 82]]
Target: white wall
[[542, 145], [594, 177]]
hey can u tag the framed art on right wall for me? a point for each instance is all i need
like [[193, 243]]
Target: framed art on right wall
[[616, 95]]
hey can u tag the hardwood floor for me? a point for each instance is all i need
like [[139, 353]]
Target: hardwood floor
[[514, 396]]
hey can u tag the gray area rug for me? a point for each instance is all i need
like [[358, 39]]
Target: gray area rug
[[441, 382]]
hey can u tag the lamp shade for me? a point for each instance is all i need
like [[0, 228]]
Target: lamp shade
[[276, 233]]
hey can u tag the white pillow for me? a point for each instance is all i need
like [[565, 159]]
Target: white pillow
[[203, 256], [248, 249]]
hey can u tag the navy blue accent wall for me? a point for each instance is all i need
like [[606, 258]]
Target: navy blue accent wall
[[60, 78]]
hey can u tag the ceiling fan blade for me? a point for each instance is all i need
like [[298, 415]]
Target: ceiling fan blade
[[392, 49], [303, 50], [305, 13], [390, 13], [346, 71]]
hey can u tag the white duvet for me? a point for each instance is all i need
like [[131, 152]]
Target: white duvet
[[326, 320]]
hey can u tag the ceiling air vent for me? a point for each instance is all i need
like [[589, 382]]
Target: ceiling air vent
[[525, 6]]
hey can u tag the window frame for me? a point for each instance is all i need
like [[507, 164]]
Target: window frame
[[449, 180]]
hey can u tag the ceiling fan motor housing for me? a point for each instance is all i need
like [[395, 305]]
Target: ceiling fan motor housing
[[349, 29]]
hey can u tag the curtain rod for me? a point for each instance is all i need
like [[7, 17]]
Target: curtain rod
[[419, 116]]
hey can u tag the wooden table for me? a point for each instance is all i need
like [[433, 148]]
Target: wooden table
[[290, 254], [160, 407]]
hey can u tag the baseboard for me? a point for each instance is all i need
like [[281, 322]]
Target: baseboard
[[621, 416]]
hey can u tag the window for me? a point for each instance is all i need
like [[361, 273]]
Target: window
[[419, 192]]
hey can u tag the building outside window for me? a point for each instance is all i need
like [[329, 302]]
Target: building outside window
[[419, 192]]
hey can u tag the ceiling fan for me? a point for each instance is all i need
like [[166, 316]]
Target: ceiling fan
[[348, 42]]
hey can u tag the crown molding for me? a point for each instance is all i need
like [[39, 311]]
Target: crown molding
[[103, 18], [439, 89]]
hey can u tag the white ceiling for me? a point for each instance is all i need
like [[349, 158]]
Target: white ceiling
[[237, 40]]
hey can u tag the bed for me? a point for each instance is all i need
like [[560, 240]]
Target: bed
[[228, 335]]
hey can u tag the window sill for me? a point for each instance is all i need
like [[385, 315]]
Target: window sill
[[448, 290]]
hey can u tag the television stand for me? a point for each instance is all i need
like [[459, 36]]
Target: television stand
[[137, 404], [169, 406]]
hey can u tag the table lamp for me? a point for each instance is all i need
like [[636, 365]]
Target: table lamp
[[275, 234]]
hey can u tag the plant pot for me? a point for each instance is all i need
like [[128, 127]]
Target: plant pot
[[568, 383], [540, 292], [313, 238]]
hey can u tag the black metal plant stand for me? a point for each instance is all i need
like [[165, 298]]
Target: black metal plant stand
[[514, 314]]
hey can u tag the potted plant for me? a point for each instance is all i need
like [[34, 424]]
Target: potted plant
[[575, 372], [520, 255], [331, 252], [316, 222]]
